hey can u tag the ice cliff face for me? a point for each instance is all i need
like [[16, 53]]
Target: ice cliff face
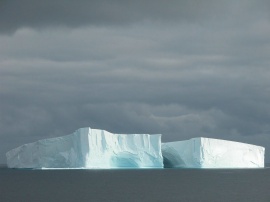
[[212, 153], [90, 148]]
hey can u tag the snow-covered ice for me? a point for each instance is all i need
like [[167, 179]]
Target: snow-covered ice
[[212, 153], [90, 148]]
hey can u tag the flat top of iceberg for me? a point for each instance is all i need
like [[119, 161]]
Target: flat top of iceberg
[[216, 140]]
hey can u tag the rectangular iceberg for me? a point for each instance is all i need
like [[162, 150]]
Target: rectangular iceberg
[[212, 153], [90, 148]]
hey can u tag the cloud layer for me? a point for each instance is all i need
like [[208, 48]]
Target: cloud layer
[[15, 14]]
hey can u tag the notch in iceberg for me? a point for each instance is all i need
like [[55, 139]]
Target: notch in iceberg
[[90, 148], [212, 153]]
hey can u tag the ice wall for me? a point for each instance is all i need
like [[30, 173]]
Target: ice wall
[[90, 148], [212, 153]]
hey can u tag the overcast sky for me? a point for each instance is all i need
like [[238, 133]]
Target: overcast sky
[[184, 69]]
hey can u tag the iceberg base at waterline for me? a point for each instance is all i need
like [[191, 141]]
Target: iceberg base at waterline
[[212, 153], [89, 148]]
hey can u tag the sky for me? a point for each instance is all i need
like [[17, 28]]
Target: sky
[[182, 69]]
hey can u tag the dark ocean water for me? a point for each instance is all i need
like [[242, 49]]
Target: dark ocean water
[[164, 185]]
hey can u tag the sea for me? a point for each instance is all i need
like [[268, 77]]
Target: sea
[[135, 185]]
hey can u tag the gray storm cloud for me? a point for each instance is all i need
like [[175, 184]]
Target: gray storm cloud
[[16, 14], [181, 68]]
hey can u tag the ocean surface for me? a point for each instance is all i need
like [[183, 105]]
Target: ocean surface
[[163, 185]]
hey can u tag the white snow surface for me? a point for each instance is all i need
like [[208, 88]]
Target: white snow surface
[[90, 148], [212, 153]]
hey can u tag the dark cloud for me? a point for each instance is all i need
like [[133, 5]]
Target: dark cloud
[[184, 69], [16, 14]]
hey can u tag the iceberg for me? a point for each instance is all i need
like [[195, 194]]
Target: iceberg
[[90, 148], [212, 153]]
